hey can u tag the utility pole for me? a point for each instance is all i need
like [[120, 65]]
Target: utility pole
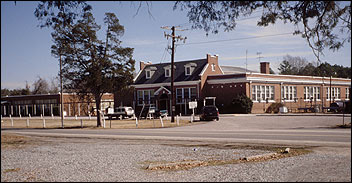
[[330, 90], [61, 95], [173, 28], [61, 7]]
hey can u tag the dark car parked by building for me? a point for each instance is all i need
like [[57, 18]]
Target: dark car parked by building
[[209, 112]]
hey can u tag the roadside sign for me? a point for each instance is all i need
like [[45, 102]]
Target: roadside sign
[[110, 110], [152, 110], [192, 105]]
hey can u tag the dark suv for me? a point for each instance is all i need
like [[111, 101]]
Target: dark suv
[[209, 112]]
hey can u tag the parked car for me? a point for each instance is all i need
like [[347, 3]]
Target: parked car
[[339, 106], [122, 111], [209, 112]]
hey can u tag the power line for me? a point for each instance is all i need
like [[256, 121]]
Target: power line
[[165, 50], [253, 37], [174, 39], [248, 18]]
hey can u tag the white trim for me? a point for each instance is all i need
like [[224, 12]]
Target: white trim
[[53, 94], [204, 69], [166, 84], [167, 69], [190, 72], [221, 70], [183, 94], [272, 80], [134, 79], [314, 77], [278, 80], [146, 75], [213, 67], [308, 100], [269, 101], [162, 87], [289, 101], [192, 64]]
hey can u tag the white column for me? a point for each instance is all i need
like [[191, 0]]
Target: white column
[[11, 110], [35, 109], [4, 111], [69, 109], [19, 110], [79, 111], [43, 109], [51, 109], [88, 109], [26, 109], [161, 121]]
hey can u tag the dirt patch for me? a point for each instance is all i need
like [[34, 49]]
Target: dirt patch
[[11, 170], [188, 164], [9, 140], [344, 126]]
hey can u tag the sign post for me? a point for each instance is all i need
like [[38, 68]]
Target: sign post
[[192, 105]]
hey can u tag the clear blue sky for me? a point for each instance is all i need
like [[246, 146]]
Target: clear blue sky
[[25, 48]]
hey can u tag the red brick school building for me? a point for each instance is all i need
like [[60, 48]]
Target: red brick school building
[[195, 80], [201, 78]]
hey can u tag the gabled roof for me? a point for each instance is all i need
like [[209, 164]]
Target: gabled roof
[[179, 75], [162, 88]]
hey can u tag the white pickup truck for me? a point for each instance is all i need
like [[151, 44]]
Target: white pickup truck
[[120, 111]]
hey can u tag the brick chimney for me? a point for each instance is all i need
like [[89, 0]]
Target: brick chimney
[[142, 64], [264, 68]]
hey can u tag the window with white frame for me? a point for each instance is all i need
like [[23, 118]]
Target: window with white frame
[[185, 95], [144, 96], [262, 92], [288, 93], [147, 74], [167, 73], [335, 93], [189, 68], [347, 93], [213, 67], [188, 71], [311, 92]]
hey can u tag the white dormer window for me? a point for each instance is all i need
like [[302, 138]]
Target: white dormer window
[[167, 73], [189, 68], [213, 67], [147, 74], [188, 71]]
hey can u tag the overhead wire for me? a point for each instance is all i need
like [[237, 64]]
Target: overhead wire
[[165, 50], [236, 39]]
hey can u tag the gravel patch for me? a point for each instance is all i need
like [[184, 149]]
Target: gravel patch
[[102, 160]]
